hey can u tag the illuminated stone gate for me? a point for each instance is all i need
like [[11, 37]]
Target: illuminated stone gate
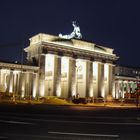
[[69, 66]]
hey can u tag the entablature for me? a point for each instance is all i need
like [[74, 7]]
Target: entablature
[[18, 66], [74, 52]]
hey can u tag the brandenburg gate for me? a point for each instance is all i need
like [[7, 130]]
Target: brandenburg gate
[[69, 66]]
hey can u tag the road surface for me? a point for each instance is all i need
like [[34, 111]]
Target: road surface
[[44, 122]]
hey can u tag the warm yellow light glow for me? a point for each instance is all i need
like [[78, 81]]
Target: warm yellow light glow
[[49, 62], [79, 66], [81, 77], [16, 72], [103, 91], [64, 64], [15, 82], [41, 89], [91, 91], [5, 76], [23, 90], [11, 87], [34, 85], [5, 71], [74, 89], [113, 91], [58, 91], [106, 71], [34, 92], [95, 70]]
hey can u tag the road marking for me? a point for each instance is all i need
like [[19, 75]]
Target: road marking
[[110, 123], [67, 121], [75, 116], [84, 134], [17, 122]]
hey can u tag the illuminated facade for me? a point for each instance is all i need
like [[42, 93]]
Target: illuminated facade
[[126, 80], [68, 67], [18, 80]]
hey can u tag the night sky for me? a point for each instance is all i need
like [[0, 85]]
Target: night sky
[[111, 23]]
